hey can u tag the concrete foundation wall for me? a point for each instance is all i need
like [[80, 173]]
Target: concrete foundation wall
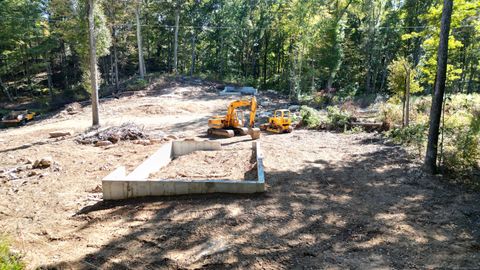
[[117, 185], [154, 163], [181, 148]]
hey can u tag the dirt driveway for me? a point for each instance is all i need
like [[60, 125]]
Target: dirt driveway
[[333, 201]]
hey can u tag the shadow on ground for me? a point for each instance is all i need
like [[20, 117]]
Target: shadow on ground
[[360, 214]]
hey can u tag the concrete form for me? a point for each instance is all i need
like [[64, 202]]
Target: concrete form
[[118, 185]]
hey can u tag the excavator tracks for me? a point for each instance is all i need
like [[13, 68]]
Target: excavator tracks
[[226, 133]]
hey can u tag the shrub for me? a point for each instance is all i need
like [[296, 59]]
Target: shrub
[[8, 260], [462, 153], [310, 117], [321, 99], [348, 92], [337, 118], [305, 99], [414, 135], [423, 105], [391, 113], [460, 127], [136, 85], [397, 77], [355, 130]]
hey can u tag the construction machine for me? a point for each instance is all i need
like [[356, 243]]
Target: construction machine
[[234, 122], [17, 118], [279, 123]]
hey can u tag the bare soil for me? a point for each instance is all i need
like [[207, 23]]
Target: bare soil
[[333, 200], [230, 164]]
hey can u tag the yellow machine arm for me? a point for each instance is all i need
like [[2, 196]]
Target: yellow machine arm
[[242, 103]]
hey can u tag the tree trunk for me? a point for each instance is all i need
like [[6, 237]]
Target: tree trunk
[[439, 90], [50, 84], [93, 63], [223, 61], [175, 46], [141, 63], [65, 66], [329, 82], [407, 99], [473, 71], [26, 64], [115, 59], [265, 58], [192, 69]]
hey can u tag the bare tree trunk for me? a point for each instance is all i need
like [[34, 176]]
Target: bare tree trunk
[[407, 99], [175, 46], [26, 69], [473, 70], [265, 58], [93, 63], [49, 74], [115, 59], [437, 99], [141, 63], [192, 69], [223, 61], [65, 66]]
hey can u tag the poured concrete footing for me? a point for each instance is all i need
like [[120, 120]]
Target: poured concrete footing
[[118, 185]]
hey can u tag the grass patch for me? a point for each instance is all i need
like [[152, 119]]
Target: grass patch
[[9, 260]]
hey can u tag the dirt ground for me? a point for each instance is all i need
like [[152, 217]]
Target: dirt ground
[[333, 200], [232, 164]]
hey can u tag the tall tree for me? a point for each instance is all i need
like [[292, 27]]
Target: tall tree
[[93, 63], [141, 61], [437, 99], [175, 46]]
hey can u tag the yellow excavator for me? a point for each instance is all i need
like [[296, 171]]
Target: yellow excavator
[[234, 122]]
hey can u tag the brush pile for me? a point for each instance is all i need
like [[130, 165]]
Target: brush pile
[[127, 131]]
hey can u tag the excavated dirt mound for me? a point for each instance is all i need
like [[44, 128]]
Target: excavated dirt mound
[[201, 165]]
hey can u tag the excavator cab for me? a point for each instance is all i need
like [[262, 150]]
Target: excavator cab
[[239, 118]]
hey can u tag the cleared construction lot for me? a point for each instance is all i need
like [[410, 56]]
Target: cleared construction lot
[[332, 200]]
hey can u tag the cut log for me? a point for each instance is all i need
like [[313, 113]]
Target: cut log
[[56, 134]]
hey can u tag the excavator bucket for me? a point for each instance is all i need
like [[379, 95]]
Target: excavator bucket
[[254, 133]]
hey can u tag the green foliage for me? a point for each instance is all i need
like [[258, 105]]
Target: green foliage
[[321, 99], [461, 130], [391, 113], [465, 21], [310, 117], [8, 260], [136, 84], [463, 155], [414, 135], [397, 78], [337, 119], [462, 137], [355, 130]]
